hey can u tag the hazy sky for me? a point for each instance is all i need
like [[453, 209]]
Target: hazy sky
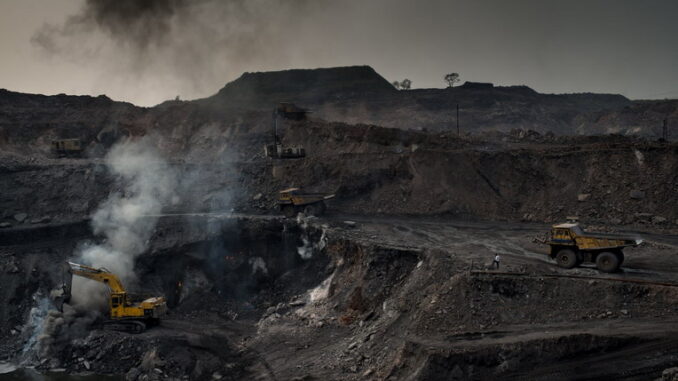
[[147, 52]]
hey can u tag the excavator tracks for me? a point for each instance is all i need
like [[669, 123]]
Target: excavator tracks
[[130, 326]]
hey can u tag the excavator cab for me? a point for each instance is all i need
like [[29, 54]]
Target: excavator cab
[[64, 296]]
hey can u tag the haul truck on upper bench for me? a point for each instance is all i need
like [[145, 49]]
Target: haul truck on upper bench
[[293, 201], [67, 147], [572, 246]]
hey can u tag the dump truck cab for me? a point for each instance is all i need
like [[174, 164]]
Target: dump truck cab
[[293, 201], [572, 246]]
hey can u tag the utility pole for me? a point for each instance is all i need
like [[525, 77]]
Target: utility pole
[[275, 126], [457, 119]]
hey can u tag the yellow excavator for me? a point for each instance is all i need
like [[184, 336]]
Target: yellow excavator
[[124, 314]]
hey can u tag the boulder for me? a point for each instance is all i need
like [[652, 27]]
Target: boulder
[[583, 197], [41, 220], [658, 220], [637, 194], [642, 216], [133, 374], [670, 374], [20, 217]]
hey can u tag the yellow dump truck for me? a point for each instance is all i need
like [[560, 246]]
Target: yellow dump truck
[[293, 201], [572, 246], [67, 147]]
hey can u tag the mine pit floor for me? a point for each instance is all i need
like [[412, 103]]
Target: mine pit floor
[[427, 301]]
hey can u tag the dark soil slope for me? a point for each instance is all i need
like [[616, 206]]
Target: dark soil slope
[[33, 118], [313, 86]]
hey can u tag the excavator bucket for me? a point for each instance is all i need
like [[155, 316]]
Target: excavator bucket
[[63, 296]]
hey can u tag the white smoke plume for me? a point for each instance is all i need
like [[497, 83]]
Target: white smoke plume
[[126, 220], [128, 217], [310, 246]]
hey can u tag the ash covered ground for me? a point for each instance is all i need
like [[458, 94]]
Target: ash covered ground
[[392, 283]]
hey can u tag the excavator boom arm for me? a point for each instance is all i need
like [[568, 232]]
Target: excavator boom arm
[[99, 275]]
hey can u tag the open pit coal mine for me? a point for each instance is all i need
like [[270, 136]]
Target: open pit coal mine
[[395, 281]]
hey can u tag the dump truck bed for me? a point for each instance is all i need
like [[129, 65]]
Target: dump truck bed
[[587, 240], [596, 242], [305, 198]]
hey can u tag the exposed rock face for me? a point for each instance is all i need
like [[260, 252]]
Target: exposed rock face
[[386, 171], [372, 168], [639, 117]]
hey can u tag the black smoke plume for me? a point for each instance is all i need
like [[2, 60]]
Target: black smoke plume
[[144, 48]]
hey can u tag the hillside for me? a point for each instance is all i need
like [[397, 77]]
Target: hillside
[[315, 87], [351, 95]]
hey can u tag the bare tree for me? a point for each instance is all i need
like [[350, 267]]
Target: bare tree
[[451, 79], [405, 84]]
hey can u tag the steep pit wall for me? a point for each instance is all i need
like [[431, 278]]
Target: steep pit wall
[[421, 315], [33, 193], [259, 261], [621, 183], [377, 170]]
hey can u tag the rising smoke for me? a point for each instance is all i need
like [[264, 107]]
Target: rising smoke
[[310, 244], [127, 218], [126, 221], [169, 47]]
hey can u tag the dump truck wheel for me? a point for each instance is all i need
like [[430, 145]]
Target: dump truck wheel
[[566, 258], [288, 211], [607, 262], [620, 255]]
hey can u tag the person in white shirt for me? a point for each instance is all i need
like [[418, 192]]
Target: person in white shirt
[[496, 260]]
